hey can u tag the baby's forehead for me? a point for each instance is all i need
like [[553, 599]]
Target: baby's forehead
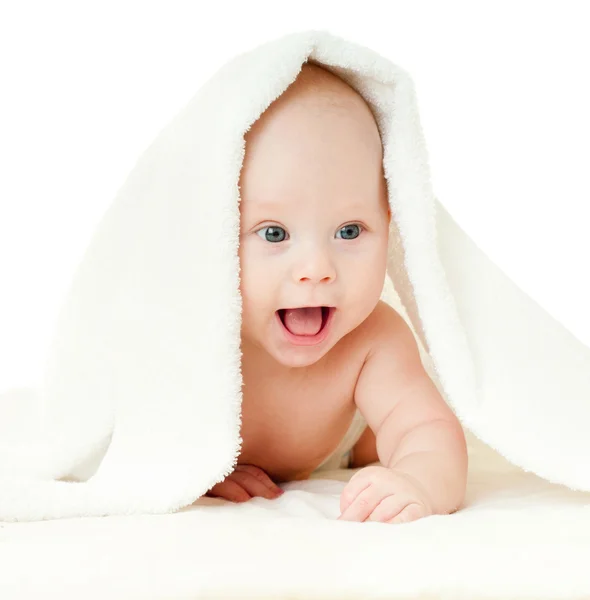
[[319, 140], [294, 202], [316, 92], [292, 205]]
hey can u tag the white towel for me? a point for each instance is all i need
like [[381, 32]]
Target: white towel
[[143, 379]]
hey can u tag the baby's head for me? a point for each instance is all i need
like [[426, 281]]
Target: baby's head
[[314, 218]]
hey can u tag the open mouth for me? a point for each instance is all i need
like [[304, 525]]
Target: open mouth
[[306, 326]]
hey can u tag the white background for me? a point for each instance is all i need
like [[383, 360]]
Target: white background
[[503, 91]]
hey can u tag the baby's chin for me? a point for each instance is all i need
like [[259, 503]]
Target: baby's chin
[[294, 356], [299, 359]]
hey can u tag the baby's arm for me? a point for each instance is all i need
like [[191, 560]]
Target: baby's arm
[[416, 431]]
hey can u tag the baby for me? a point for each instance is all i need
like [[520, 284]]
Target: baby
[[327, 366]]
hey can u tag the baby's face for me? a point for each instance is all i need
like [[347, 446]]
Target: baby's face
[[314, 223]]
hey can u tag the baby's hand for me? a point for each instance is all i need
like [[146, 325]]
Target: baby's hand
[[381, 494], [244, 483]]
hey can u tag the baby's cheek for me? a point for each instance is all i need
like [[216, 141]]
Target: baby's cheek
[[254, 291]]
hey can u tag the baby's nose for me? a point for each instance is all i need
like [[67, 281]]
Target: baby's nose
[[316, 267]]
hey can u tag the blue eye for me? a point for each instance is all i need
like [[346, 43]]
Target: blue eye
[[350, 230], [278, 234], [273, 234]]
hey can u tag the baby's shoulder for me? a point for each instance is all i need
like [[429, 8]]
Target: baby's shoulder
[[382, 323], [390, 341], [385, 331], [380, 329]]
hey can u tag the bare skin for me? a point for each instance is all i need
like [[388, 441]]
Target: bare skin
[[292, 422], [282, 439], [313, 171]]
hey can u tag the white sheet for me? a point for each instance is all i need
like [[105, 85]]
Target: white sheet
[[517, 536]]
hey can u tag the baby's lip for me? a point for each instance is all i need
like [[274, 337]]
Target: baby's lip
[[326, 310], [308, 306]]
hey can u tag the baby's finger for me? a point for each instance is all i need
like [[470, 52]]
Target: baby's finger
[[261, 476], [253, 485], [412, 512], [389, 508], [229, 490], [363, 505], [352, 489]]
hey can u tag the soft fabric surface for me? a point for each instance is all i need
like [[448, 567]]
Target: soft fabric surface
[[142, 388], [517, 536]]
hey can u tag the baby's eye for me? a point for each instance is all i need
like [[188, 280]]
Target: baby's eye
[[351, 231], [273, 234]]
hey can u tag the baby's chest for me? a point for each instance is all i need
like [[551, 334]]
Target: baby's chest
[[290, 427]]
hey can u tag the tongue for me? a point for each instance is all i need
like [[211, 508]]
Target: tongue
[[303, 321]]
